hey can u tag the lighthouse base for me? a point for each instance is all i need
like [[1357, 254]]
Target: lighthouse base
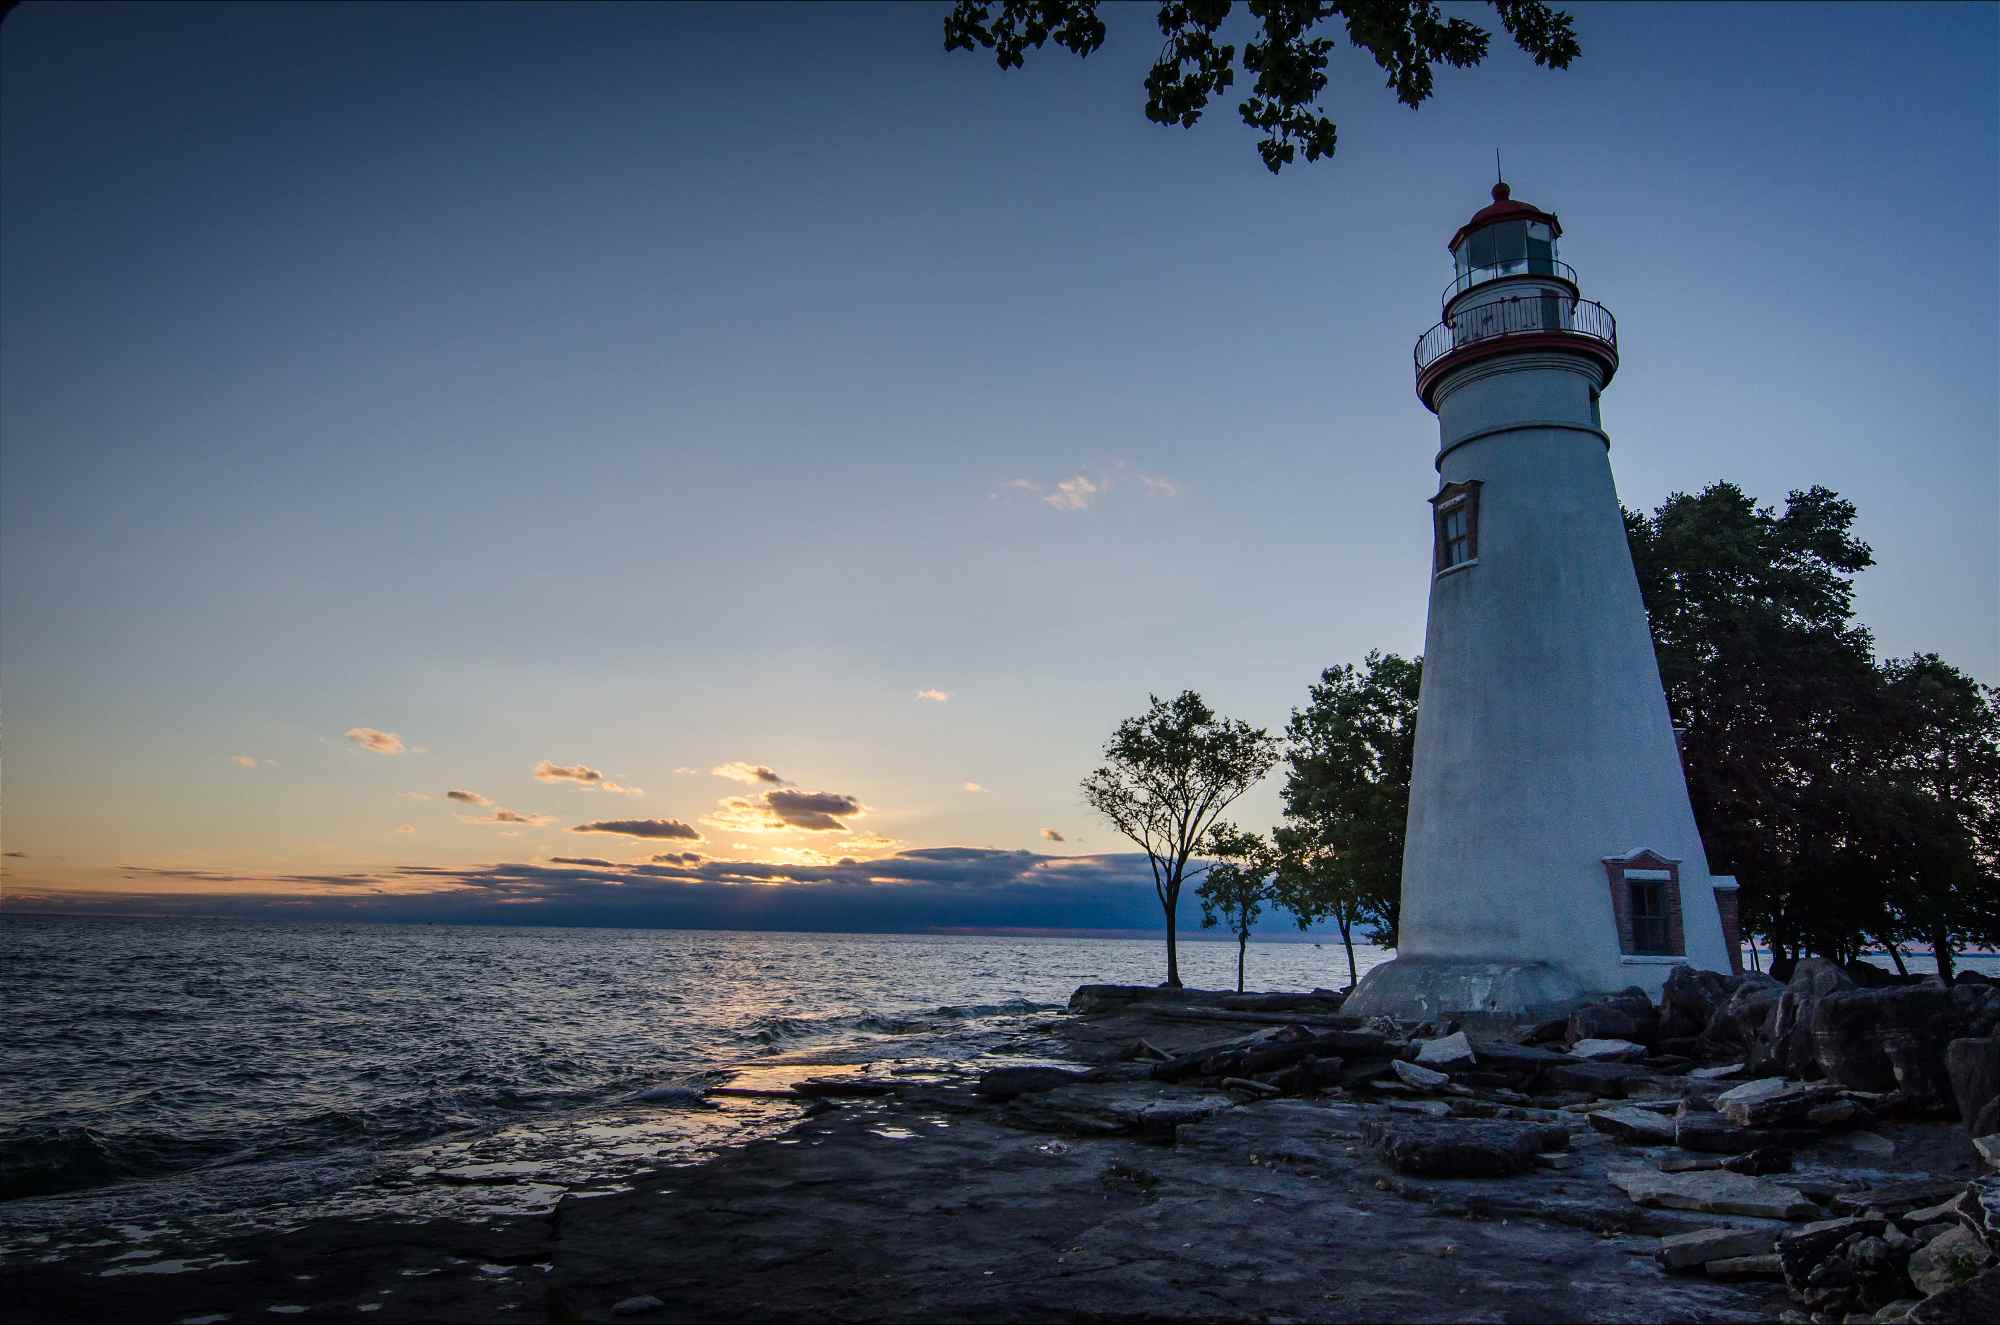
[[1430, 988]]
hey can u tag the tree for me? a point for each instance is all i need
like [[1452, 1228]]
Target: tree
[[1775, 686], [1942, 767], [1347, 794], [1314, 884], [1236, 886], [1167, 776], [1288, 55]]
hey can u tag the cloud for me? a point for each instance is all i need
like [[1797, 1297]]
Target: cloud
[[814, 811], [685, 769], [678, 858], [591, 861], [583, 777], [381, 742], [641, 828], [468, 797], [14, 855], [750, 774], [1155, 486], [1074, 493], [406, 828], [934, 696], [974, 786], [502, 815], [243, 761], [1051, 835]]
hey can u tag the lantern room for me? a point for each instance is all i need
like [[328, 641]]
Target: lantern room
[[1506, 238]]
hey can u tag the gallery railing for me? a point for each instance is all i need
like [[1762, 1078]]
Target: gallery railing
[[1526, 315], [1512, 267]]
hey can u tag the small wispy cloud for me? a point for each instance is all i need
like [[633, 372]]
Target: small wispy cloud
[[464, 797], [414, 795], [1156, 486], [379, 742], [1074, 493], [502, 815], [1051, 835], [243, 761], [685, 769], [654, 828], [583, 777], [934, 696], [592, 861], [406, 828], [678, 858], [974, 786], [749, 774]]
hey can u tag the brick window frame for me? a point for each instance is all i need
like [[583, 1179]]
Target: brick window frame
[[1646, 867], [1453, 497]]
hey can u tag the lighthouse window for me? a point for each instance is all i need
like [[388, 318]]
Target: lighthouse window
[[1649, 915], [1457, 526]]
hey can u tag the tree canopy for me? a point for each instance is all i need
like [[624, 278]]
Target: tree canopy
[[1288, 53], [1236, 886], [1168, 774]]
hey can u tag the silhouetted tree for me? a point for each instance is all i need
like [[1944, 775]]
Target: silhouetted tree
[[1347, 794], [1288, 53], [1167, 776], [1236, 886], [1314, 885]]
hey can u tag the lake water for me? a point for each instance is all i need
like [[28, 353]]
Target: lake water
[[171, 1079], [169, 1076]]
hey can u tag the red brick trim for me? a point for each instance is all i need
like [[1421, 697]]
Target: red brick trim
[[1449, 498], [1615, 868], [1728, 907]]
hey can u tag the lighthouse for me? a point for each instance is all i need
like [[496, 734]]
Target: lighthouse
[[1551, 850]]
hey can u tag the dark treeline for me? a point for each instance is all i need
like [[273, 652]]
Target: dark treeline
[[1856, 800]]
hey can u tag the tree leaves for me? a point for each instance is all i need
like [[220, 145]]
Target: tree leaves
[[1407, 38]]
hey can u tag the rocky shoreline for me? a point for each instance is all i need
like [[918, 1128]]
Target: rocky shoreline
[[1170, 1155]]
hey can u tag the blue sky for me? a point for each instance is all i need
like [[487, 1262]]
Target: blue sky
[[650, 389]]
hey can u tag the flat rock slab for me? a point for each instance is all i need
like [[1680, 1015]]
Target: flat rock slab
[[1608, 1051], [1419, 1078], [1746, 1267], [1127, 1109], [1005, 1083], [1683, 1251], [1629, 1123], [1714, 1191], [1459, 1148]]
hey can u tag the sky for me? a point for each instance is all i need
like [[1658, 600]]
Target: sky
[[430, 431]]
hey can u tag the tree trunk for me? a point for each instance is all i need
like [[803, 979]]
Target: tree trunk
[[1896, 957], [1242, 947], [1941, 952], [1347, 941], [1173, 955]]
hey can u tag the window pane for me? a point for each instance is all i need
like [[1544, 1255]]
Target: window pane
[[1511, 240], [1480, 246]]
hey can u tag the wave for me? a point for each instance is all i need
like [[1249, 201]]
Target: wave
[[46, 1161]]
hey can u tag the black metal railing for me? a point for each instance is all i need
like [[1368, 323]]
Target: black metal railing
[[1522, 315], [1562, 271]]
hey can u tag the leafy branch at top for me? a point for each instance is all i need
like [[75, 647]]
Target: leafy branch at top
[[1407, 38]]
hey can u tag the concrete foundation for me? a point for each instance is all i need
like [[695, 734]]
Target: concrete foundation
[[1428, 988]]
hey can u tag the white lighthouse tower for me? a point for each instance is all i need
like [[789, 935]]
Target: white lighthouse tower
[[1551, 850]]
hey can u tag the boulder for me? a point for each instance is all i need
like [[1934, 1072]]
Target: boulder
[[1885, 1039], [1803, 1251], [1975, 1302], [1772, 1102], [1690, 999], [1948, 1260], [1640, 1126], [1973, 1067], [1447, 1051], [1862, 1274], [1714, 1192], [1006, 1083], [1784, 1044], [1608, 1051], [1734, 1027], [1629, 1015], [1461, 1149], [1989, 1149], [1685, 1251]]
